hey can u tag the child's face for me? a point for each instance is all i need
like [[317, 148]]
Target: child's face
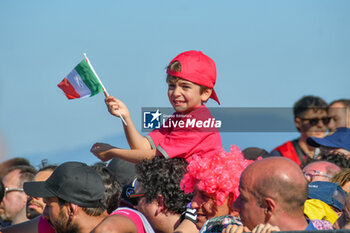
[[184, 95]]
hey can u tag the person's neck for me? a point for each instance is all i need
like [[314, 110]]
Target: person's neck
[[169, 224], [290, 223], [308, 150], [20, 217], [88, 223]]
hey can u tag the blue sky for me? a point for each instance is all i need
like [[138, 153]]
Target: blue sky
[[268, 54]]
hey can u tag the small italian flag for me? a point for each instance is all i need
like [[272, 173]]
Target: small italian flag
[[81, 82]]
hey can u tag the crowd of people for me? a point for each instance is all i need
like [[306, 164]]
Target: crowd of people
[[180, 179]]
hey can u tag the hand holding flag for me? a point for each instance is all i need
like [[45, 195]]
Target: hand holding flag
[[83, 82]]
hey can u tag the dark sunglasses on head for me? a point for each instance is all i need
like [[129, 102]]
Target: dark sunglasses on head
[[129, 196], [314, 121]]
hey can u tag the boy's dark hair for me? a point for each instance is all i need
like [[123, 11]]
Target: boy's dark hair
[[176, 66], [338, 159], [163, 176], [113, 189], [308, 102]]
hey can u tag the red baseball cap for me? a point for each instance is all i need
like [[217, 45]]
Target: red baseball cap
[[198, 68]]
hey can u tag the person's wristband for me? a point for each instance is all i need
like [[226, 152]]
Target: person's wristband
[[190, 214]]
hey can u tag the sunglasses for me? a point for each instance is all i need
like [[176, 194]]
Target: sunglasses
[[314, 121], [130, 196], [7, 190]]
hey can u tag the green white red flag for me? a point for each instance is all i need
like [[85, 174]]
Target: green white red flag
[[81, 82]]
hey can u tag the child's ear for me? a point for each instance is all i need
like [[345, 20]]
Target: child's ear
[[206, 94]]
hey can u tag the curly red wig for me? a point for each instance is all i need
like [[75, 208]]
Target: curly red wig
[[216, 173]]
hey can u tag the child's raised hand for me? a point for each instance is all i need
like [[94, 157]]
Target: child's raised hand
[[102, 151], [114, 105]]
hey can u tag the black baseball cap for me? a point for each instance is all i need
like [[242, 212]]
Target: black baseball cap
[[74, 182], [123, 170]]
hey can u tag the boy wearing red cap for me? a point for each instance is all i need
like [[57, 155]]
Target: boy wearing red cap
[[191, 79]]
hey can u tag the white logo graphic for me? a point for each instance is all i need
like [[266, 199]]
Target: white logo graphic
[[151, 120]]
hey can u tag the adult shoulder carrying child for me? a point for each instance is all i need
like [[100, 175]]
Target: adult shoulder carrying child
[[191, 77]]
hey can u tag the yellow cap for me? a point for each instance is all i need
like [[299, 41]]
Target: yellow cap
[[317, 209]]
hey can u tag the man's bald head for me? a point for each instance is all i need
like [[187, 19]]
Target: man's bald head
[[280, 179], [320, 171]]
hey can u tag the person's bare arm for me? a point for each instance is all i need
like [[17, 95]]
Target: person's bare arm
[[116, 224], [135, 139], [106, 152]]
